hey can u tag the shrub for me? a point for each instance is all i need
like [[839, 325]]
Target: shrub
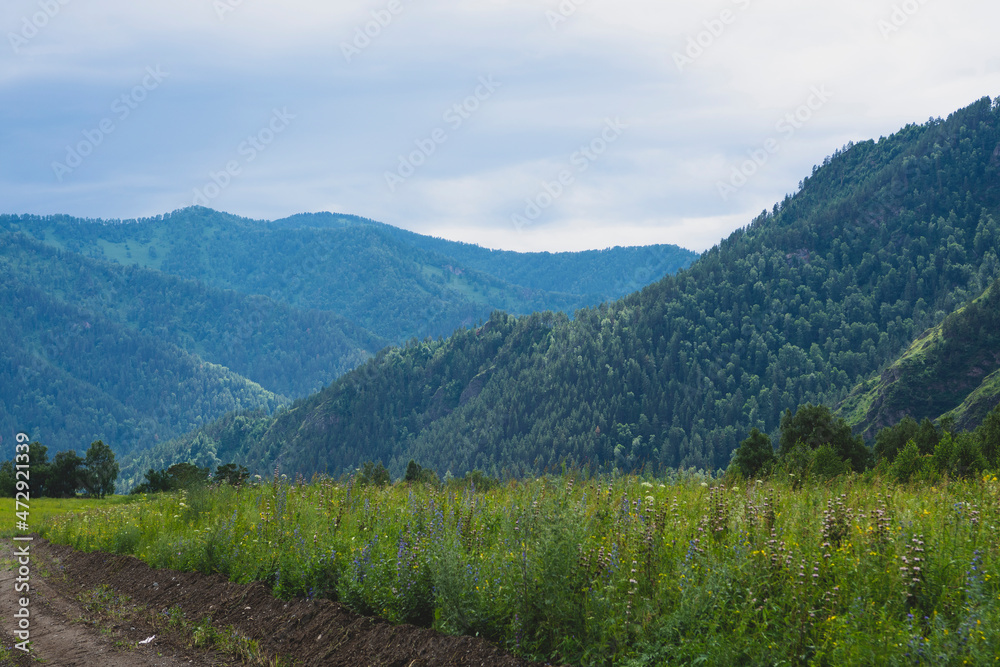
[[755, 456], [372, 474], [814, 426], [232, 474], [827, 465], [967, 459], [415, 473], [944, 453], [989, 438], [891, 440], [908, 463], [476, 479], [797, 464]]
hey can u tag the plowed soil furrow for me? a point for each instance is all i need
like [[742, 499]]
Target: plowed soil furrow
[[64, 632], [301, 632]]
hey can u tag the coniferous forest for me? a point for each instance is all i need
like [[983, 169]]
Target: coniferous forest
[[884, 240], [785, 451], [136, 332]]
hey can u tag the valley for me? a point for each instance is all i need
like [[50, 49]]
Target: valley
[[784, 450]]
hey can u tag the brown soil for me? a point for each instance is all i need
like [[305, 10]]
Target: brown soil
[[300, 632], [65, 632]]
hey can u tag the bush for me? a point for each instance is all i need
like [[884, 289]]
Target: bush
[[908, 463], [943, 454], [891, 440], [372, 474], [188, 476], [755, 456], [989, 438], [476, 479], [232, 474], [814, 426], [417, 474], [827, 465], [797, 465], [967, 460]]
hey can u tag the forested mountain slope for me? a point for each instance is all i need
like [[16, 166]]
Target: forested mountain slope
[[396, 284], [290, 351], [239, 314], [881, 242], [95, 350], [602, 275], [953, 367], [69, 376]]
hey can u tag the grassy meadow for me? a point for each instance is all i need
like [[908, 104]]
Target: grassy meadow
[[42, 510], [610, 570]]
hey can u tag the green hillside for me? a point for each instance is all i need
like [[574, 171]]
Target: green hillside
[[291, 351], [70, 376], [602, 275], [950, 368], [92, 350], [238, 314], [881, 242], [395, 284]]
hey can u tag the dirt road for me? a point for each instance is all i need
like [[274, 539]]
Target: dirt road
[[95, 609]]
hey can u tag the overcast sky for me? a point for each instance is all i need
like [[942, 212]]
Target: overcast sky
[[517, 124]]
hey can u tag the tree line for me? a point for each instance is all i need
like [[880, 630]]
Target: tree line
[[95, 474], [67, 475], [814, 444]]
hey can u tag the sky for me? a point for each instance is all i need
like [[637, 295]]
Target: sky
[[525, 125]]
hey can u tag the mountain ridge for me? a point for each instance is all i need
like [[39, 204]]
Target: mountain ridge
[[883, 240], [651, 260], [248, 349], [390, 283]]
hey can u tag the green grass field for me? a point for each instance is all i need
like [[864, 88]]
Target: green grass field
[[622, 571], [42, 510]]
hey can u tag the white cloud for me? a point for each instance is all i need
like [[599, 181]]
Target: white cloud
[[688, 127]]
